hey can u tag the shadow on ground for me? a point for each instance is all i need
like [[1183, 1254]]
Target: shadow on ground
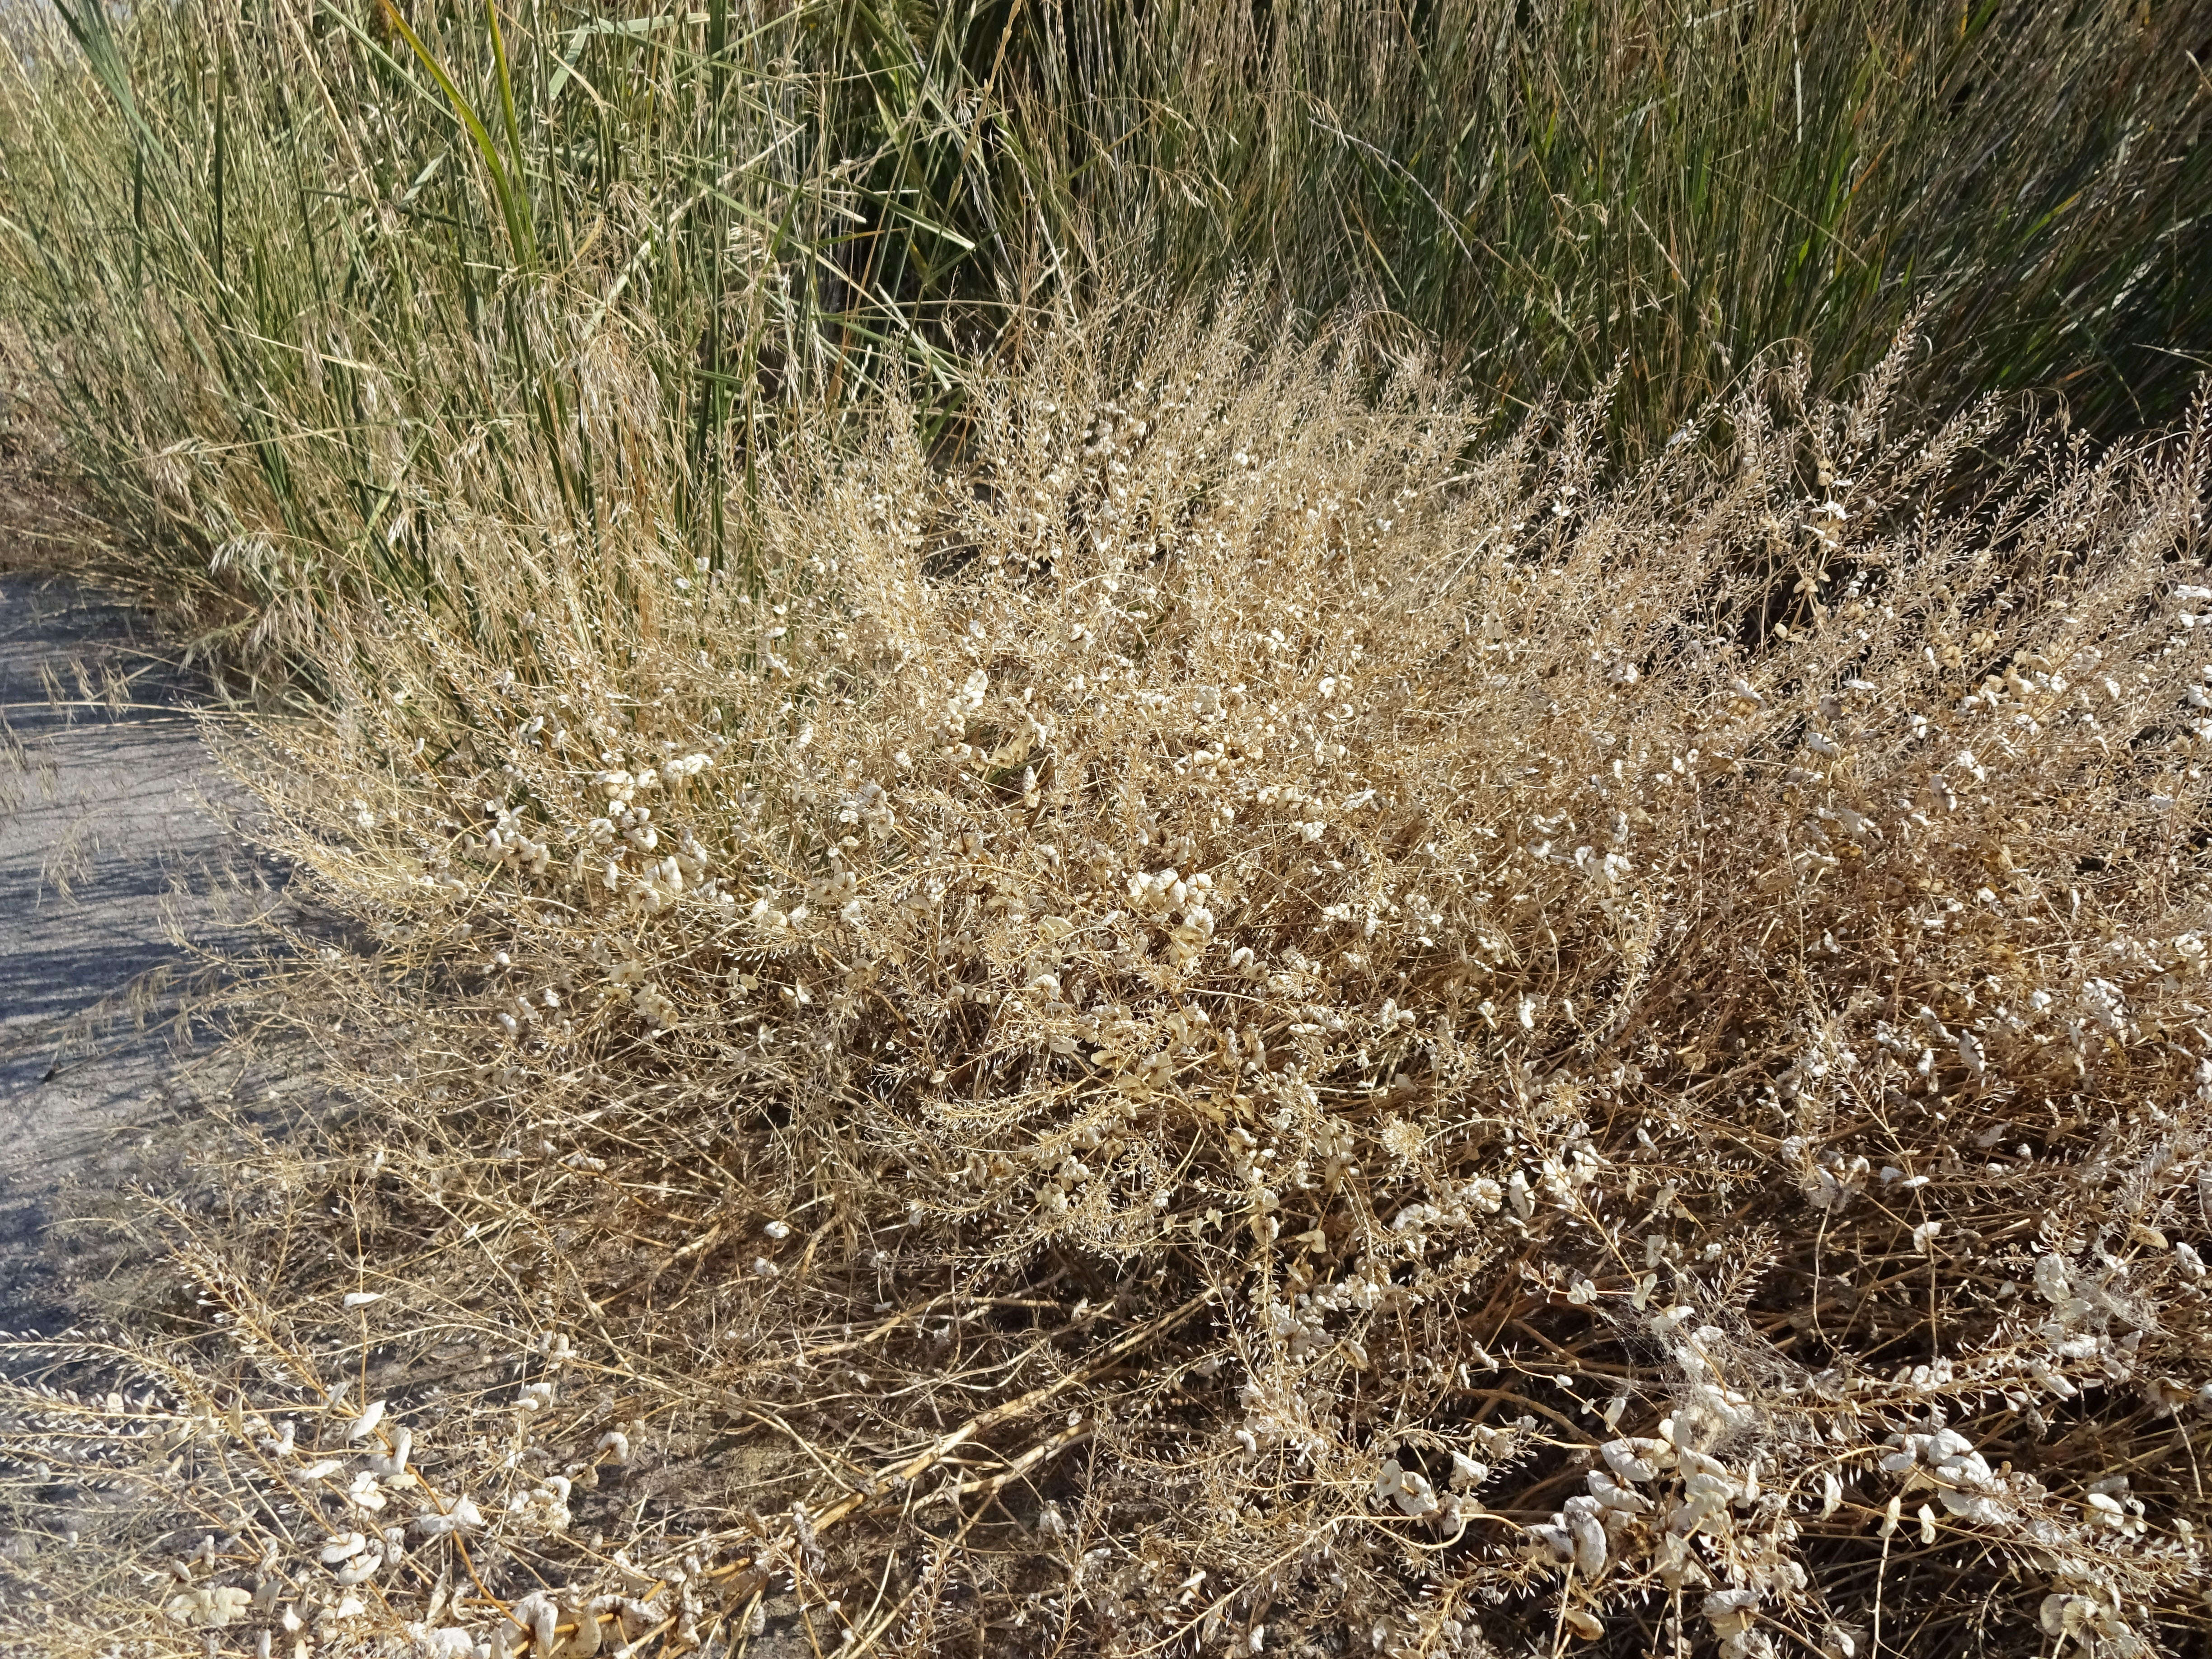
[[120, 881]]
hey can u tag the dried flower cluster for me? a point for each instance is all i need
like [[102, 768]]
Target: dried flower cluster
[[1230, 1023]]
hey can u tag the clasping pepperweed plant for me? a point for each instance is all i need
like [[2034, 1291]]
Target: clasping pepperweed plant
[[1231, 1020]]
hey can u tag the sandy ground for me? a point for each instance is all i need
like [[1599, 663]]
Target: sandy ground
[[118, 870]]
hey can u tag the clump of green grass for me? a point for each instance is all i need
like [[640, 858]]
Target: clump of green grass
[[274, 259], [1564, 189]]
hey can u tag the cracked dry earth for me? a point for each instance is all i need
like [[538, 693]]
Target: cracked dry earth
[[120, 880]]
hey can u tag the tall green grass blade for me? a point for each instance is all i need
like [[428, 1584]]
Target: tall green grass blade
[[513, 208]]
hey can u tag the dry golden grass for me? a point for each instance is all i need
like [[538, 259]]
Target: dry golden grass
[[1225, 1022]]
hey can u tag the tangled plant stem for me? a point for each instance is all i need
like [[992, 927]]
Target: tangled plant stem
[[1531, 1052]]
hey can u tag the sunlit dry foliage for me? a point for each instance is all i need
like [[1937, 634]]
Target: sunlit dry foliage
[[1228, 1022]]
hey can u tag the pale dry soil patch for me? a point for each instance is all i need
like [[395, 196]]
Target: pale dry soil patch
[[123, 881]]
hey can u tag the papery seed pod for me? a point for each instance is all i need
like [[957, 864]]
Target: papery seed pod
[[539, 1614], [1730, 1611], [585, 1641], [1614, 1496], [1636, 1459], [1585, 1625], [1585, 1524]]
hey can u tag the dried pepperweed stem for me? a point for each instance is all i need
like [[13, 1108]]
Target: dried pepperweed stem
[[1537, 1051]]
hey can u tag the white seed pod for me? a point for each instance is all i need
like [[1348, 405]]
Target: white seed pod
[[361, 1569], [1585, 1524], [1614, 1496], [538, 1613], [463, 1517], [342, 1546], [403, 1444], [1730, 1611], [1636, 1458], [1557, 1541]]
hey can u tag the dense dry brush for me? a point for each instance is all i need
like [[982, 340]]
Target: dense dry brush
[[1225, 1020]]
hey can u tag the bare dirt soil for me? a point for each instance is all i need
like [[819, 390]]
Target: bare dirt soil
[[121, 879]]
